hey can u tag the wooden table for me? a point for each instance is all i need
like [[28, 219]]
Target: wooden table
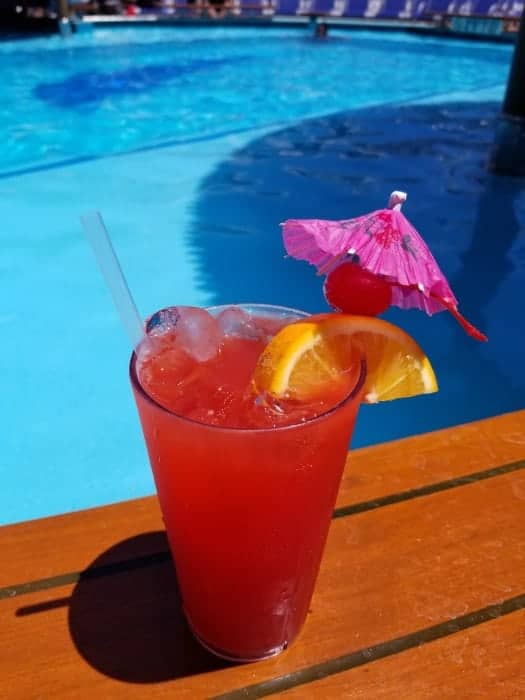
[[421, 592]]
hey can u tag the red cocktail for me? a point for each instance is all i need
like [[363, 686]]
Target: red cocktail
[[246, 485]]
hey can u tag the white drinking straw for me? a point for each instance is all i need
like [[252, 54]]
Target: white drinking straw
[[98, 237]]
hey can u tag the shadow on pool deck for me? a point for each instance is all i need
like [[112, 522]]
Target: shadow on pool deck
[[346, 164]]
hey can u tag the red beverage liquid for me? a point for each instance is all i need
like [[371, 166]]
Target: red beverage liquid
[[246, 489]]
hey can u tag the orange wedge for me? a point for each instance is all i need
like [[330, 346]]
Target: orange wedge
[[309, 357]]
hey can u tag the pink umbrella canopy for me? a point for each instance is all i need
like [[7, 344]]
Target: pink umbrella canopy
[[386, 244]]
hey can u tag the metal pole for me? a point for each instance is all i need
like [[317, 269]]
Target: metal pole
[[65, 26], [514, 103], [63, 9], [508, 153]]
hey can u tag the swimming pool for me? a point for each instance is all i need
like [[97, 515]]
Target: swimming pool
[[195, 144]]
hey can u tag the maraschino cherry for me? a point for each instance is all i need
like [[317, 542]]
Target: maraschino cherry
[[353, 290]]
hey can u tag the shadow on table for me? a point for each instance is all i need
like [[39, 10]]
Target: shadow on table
[[125, 615], [126, 619]]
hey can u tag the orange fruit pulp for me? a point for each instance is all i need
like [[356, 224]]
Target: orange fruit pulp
[[308, 357]]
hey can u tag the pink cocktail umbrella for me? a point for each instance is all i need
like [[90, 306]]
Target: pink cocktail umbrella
[[386, 244]]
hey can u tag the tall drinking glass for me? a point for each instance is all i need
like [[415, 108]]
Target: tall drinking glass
[[247, 513]]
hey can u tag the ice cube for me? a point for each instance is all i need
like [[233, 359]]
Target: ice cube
[[192, 328], [162, 322], [197, 333], [234, 321]]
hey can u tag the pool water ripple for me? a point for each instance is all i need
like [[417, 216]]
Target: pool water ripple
[[109, 93]]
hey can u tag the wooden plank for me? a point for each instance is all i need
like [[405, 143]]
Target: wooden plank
[[483, 662], [412, 462], [386, 573], [51, 546]]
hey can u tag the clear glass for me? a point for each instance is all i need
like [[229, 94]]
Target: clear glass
[[247, 513]]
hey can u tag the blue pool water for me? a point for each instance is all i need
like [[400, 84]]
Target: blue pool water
[[195, 144]]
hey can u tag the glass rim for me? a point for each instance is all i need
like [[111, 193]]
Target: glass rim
[[248, 429]]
